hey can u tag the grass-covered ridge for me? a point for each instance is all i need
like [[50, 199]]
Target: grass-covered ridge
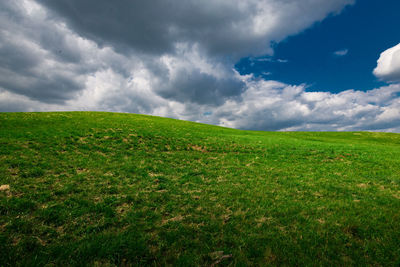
[[114, 189]]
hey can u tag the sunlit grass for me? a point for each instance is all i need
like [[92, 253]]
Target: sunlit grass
[[89, 188]]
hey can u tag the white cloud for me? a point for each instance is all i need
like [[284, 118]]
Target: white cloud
[[269, 105], [341, 53], [282, 60], [388, 67], [270, 59]]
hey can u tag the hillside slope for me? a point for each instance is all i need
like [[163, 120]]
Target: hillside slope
[[120, 189]]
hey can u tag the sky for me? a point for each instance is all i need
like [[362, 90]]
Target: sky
[[338, 53], [311, 65]]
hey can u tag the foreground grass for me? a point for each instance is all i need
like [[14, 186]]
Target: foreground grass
[[119, 189]]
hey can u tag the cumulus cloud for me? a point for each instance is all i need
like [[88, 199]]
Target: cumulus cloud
[[174, 59], [388, 67]]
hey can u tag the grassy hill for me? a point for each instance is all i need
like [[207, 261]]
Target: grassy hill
[[120, 189]]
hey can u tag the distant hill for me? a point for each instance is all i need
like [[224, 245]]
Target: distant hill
[[108, 189]]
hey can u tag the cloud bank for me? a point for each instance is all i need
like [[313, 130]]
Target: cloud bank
[[175, 59]]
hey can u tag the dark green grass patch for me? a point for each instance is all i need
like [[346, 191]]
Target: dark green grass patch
[[106, 189]]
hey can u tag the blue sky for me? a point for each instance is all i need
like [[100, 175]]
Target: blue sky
[[364, 30]]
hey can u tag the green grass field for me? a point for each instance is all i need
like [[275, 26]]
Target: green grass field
[[105, 189]]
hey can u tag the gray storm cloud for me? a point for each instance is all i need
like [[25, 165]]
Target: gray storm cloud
[[235, 28]]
